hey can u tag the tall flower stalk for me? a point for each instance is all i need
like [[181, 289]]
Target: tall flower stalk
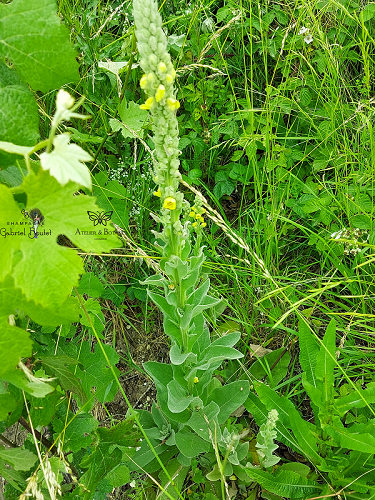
[[158, 85], [187, 414]]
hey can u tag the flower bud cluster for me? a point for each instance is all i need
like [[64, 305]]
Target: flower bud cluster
[[157, 83]]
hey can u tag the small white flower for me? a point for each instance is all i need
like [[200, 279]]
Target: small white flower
[[303, 30], [64, 103], [308, 39]]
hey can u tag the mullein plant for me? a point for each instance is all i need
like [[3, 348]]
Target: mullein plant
[[192, 404]]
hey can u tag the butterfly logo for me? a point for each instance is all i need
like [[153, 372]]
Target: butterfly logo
[[100, 217]]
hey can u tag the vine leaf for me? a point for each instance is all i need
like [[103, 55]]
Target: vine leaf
[[19, 122], [15, 343], [47, 272], [58, 366], [34, 39], [18, 458], [97, 374]]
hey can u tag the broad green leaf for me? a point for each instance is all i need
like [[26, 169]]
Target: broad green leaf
[[304, 96], [132, 119], [285, 483], [15, 344], [368, 12], [7, 405], [19, 122], [18, 458], [11, 221], [361, 221], [13, 301], [230, 397], [91, 285], [48, 271], [191, 445], [358, 441], [94, 310], [77, 431], [97, 372], [34, 39], [278, 359], [58, 367], [179, 398], [104, 459], [309, 349], [355, 400], [326, 362]]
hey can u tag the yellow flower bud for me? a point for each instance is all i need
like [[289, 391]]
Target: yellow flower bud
[[204, 224], [143, 82], [169, 203], [147, 104], [157, 193], [172, 104], [162, 67], [168, 78], [195, 224], [160, 93], [196, 380]]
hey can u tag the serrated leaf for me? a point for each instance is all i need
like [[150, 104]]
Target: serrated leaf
[[90, 285], [58, 367], [18, 458], [132, 118], [284, 483], [33, 37], [97, 373], [77, 434], [65, 162], [48, 271]]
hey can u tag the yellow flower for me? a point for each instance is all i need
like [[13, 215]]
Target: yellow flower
[[204, 224], [172, 104], [195, 224], [143, 82], [192, 214], [147, 104], [169, 203], [196, 380], [160, 93], [157, 193], [162, 67]]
